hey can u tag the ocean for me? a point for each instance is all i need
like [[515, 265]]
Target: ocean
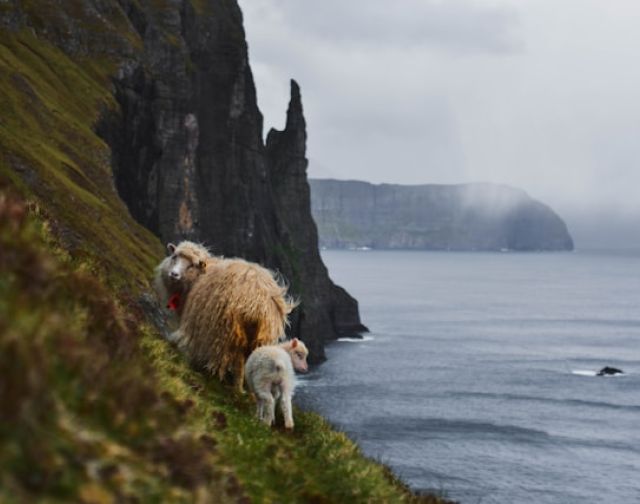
[[477, 380]]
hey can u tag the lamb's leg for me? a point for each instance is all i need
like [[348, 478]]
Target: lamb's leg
[[266, 406], [260, 407], [287, 410]]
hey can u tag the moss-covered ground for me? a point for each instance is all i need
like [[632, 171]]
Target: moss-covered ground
[[95, 406]]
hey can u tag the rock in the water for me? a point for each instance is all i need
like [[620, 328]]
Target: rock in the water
[[353, 214], [607, 371]]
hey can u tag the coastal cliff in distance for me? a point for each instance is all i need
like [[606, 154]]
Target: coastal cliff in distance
[[465, 217]]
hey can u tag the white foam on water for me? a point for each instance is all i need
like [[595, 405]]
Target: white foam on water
[[355, 340], [303, 383], [583, 372]]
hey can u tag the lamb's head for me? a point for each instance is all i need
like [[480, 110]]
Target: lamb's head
[[186, 262], [298, 352]]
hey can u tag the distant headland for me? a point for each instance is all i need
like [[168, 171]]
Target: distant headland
[[462, 217]]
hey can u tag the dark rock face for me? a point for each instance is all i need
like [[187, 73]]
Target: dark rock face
[[190, 162], [353, 214]]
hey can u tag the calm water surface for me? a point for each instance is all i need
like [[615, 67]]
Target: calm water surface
[[478, 377]]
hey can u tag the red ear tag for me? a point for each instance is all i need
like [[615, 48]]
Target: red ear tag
[[174, 302]]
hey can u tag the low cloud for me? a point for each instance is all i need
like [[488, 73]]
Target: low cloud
[[538, 95]]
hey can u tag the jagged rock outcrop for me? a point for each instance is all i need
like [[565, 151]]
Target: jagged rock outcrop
[[190, 162], [299, 236], [352, 214]]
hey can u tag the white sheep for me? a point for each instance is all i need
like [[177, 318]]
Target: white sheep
[[269, 374]]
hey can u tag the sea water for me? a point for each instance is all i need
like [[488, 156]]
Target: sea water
[[477, 379]]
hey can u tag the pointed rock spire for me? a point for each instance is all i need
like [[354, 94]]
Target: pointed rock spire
[[295, 115], [292, 141]]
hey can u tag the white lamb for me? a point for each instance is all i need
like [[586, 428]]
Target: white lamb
[[269, 374]]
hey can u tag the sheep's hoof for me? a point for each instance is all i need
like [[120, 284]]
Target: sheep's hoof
[[174, 337], [239, 389]]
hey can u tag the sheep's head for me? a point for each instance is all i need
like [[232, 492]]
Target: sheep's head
[[298, 352], [186, 262]]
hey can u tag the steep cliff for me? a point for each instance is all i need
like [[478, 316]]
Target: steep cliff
[[434, 217], [190, 162]]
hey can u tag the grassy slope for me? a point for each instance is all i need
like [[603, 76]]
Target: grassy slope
[[94, 406]]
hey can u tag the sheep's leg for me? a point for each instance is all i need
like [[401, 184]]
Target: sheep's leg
[[238, 375], [174, 337]]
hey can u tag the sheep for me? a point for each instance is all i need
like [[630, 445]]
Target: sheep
[[175, 275], [270, 376], [227, 308]]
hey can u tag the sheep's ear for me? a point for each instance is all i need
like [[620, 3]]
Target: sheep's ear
[[294, 342], [171, 248], [202, 266]]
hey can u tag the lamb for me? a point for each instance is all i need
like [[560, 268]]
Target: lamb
[[270, 376], [227, 308]]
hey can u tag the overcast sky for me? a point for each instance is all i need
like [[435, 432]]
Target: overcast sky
[[539, 94]]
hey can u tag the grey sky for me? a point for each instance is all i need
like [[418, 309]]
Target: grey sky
[[539, 94]]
